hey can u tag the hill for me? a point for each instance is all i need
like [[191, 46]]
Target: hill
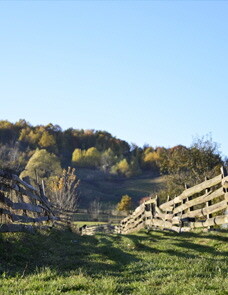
[[107, 167], [99, 186]]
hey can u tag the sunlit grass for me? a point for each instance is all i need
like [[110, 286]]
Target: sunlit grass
[[156, 263]]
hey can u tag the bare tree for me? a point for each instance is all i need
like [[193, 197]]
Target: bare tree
[[95, 208], [63, 190]]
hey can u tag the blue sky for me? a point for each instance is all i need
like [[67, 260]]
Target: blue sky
[[151, 72]]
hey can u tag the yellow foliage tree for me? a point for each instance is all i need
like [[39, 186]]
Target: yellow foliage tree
[[125, 204], [92, 157], [121, 167], [86, 158], [78, 157], [42, 164], [47, 140]]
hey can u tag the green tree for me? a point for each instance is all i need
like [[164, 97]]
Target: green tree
[[190, 165], [42, 164], [108, 159], [134, 167]]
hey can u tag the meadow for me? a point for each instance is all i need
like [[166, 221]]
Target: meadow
[[62, 262], [95, 185]]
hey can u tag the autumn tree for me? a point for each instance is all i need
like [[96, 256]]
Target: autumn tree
[[86, 158], [125, 204], [78, 158], [92, 157], [150, 158], [121, 168], [42, 164], [47, 140], [190, 165]]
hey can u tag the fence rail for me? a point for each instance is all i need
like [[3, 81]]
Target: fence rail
[[21, 203], [203, 205]]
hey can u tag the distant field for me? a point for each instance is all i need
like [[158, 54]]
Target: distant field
[[88, 223], [94, 185], [161, 263]]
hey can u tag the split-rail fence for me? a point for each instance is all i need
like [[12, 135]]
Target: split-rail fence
[[22, 206], [202, 206]]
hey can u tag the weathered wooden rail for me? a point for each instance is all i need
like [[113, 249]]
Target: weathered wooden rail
[[201, 206], [22, 206]]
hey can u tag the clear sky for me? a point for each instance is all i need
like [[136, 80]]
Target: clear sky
[[151, 72]]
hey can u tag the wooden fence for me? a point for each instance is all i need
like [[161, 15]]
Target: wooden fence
[[21, 205], [201, 206]]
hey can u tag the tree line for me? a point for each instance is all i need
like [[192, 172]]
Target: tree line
[[49, 150]]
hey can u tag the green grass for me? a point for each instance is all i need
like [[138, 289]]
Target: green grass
[[156, 263]]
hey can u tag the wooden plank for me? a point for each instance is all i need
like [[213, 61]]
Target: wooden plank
[[225, 182], [202, 199], [27, 219], [16, 228], [209, 203], [176, 220], [5, 187], [165, 226], [138, 214], [125, 220], [8, 175], [141, 220], [160, 214], [217, 220], [139, 208], [27, 190], [159, 223], [25, 184], [23, 218], [207, 210], [17, 188], [191, 191], [151, 201], [163, 216], [148, 214], [20, 206], [30, 194]]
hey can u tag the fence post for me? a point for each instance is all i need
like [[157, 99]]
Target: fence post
[[208, 204], [224, 174], [188, 199]]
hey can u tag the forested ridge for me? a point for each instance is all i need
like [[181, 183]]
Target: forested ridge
[[47, 149]]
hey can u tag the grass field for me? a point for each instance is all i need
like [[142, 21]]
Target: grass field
[[156, 263]]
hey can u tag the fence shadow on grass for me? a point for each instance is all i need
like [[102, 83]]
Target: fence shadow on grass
[[61, 251], [181, 245], [64, 251]]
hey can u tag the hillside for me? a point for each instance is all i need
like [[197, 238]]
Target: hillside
[[101, 187], [51, 263], [108, 167]]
